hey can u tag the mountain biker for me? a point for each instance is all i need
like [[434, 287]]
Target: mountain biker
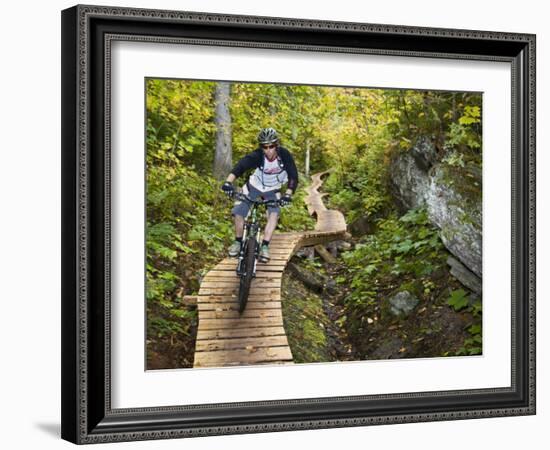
[[273, 166]]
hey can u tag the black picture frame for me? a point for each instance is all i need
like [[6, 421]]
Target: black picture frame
[[87, 416]]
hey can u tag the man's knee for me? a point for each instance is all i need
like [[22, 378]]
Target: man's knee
[[240, 209]]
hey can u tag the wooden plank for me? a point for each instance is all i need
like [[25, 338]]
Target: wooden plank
[[247, 343], [273, 256], [228, 291], [284, 243], [220, 283], [259, 266], [232, 306], [231, 274], [271, 265], [278, 260], [273, 363], [221, 324], [215, 298], [265, 267], [231, 333], [285, 235], [260, 282], [239, 357], [285, 246], [246, 314]]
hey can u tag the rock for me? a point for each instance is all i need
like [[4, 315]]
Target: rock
[[455, 207], [451, 195], [339, 245], [388, 349], [424, 153], [402, 303], [313, 280], [462, 274], [409, 182], [305, 252], [331, 287], [473, 298], [361, 226]]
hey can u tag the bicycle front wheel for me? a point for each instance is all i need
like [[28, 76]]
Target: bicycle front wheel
[[248, 272]]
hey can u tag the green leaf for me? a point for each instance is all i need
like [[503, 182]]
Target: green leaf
[[458, 299], [404, 246], [475, 329]]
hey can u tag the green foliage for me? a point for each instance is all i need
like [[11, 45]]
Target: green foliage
[[292, 110], [458, 299], [305, 323], [474, 343], [451, 118], [358, 185], [391, 121], [188, 228], [353, 131], [180, 123], [466, 132], [403, 250], [295, 216]]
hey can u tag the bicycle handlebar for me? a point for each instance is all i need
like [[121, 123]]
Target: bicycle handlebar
[[243, 197]]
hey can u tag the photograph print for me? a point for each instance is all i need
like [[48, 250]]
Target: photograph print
[[292, 224]]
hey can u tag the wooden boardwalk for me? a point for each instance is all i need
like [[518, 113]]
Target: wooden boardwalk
[[257, 336]]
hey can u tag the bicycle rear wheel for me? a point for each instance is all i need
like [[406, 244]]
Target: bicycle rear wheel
[[246, 277]]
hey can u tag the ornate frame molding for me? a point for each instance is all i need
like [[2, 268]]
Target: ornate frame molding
[[87, 422]]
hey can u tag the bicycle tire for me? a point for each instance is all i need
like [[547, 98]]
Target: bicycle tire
[[246, 279]]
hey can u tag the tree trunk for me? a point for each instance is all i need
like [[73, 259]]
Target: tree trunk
[[307, 158], [223, 156]]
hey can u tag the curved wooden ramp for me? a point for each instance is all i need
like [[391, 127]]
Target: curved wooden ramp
[[257, 336]]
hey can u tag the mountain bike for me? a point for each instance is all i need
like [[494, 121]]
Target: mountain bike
[[248, 256]]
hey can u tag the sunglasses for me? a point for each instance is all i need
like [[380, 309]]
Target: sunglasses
[[267, 147]]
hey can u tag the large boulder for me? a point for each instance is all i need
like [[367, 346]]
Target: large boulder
[[451, 194], [466, 277], [409, 179]]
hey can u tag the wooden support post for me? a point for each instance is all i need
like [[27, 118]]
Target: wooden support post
[[325, 254]]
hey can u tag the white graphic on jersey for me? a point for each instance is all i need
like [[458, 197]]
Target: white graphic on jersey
[[272, 177]]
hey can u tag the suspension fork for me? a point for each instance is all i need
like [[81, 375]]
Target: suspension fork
[[256, 250], [250, 224], [243, 248]]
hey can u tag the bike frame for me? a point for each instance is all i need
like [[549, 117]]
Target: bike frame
[[251, 227]]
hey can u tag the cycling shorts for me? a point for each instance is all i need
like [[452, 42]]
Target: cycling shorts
[[241, 208]]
